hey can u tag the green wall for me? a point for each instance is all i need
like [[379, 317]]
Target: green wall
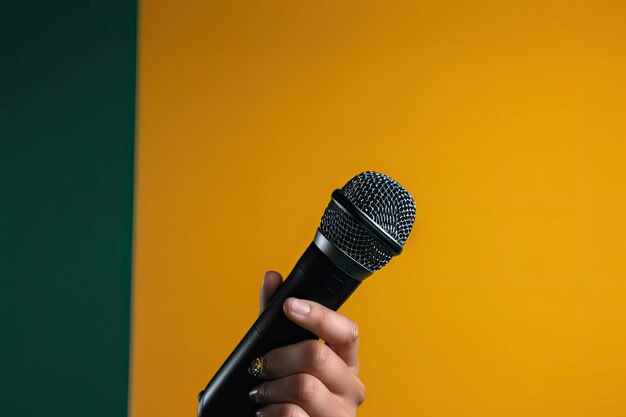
[[67, 121]]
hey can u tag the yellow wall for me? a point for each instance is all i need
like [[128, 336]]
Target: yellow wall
[[507, 122]]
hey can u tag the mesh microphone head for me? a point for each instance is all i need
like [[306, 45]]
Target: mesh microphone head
[[386, 203]]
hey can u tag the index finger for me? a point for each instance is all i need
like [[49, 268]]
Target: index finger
[[339, 332]]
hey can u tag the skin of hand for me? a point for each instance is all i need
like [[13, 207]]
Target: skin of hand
[[311, 378]]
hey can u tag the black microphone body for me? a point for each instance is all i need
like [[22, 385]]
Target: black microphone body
[[315, 277], [365, 225]]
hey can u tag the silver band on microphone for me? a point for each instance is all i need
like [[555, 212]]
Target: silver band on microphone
[[339, 258]]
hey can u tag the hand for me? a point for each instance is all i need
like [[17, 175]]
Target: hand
[[311, 378]]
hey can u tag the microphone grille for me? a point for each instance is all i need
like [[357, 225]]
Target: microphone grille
[[385, 202]]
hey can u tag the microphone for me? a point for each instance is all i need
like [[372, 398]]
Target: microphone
[[365, 224]]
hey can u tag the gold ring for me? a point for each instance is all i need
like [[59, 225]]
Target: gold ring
[[257, 366]]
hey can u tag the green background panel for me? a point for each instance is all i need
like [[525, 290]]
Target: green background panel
[[67, 122]]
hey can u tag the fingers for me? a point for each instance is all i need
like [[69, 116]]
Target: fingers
[[304, 390], [317, 359], [338, 331], [281, 410], [271, 282]]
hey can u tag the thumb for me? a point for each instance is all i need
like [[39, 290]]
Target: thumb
[[271, 282]]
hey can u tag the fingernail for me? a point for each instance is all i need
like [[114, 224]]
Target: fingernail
[[300, 307], [258, 414], [254, 394]]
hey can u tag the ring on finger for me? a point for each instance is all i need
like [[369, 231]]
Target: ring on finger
[[257, 367]]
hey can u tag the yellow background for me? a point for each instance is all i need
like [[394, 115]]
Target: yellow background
[[507, 122]]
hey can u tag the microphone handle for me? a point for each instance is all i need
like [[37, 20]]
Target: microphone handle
[[315, 277]]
